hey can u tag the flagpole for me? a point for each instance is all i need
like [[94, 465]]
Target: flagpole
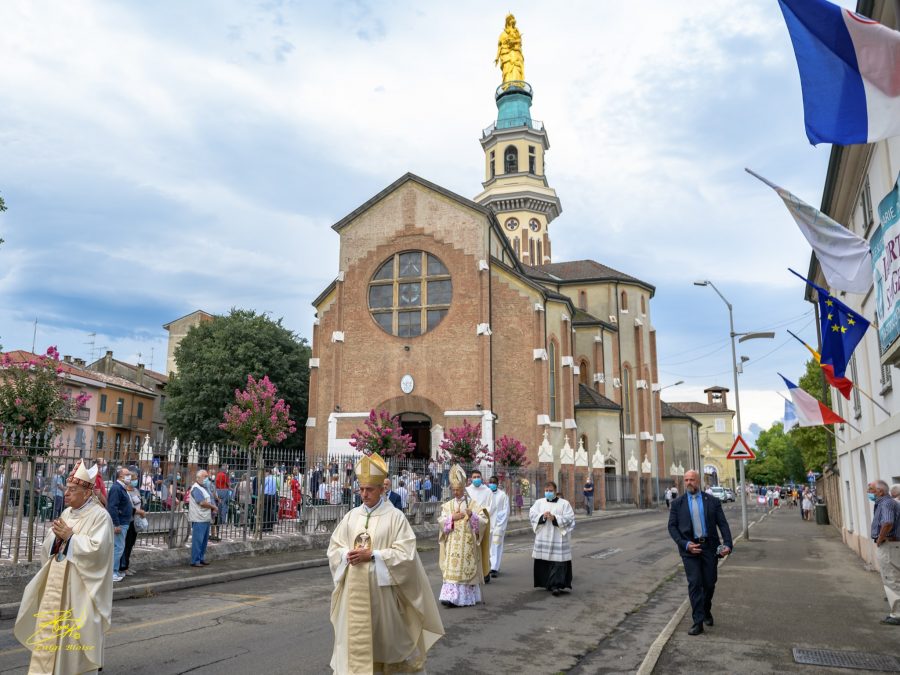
[[868, 396]]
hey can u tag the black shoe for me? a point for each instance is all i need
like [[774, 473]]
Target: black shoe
[[487, 578], [891, 621], [696, 629], [556, 592], [204, 563], [494, 573], [709, 621], [446, 603]]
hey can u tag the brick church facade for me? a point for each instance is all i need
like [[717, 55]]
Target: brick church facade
[[446, 308]]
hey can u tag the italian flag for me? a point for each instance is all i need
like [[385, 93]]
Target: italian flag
[[810, 411]]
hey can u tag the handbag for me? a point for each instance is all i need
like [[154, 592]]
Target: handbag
[[141, 524]]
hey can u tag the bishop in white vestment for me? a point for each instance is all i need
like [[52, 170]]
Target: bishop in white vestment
[[383, 611], [65, 610]]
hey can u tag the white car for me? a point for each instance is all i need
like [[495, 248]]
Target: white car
[[718, 492]]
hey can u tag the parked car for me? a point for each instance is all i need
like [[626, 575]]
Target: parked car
[[729, 495], [718, 492]]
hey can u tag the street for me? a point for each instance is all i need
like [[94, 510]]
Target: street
[[626, 587]]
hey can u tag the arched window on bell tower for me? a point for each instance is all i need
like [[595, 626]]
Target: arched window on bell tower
[[511, 159], [518, 247]]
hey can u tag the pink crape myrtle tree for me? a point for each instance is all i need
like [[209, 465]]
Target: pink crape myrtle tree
[[463, 445], [382, 433], [510, 453], [258, 419], [34, 405]]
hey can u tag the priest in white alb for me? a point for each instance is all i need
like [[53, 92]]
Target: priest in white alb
[[481, 494], [499, 514], [383, 611], [552, 519], [65, 610]]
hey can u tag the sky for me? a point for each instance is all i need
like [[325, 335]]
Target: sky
[[158, 158]]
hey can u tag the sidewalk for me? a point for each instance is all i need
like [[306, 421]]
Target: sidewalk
[[149, 582], [793, 585]]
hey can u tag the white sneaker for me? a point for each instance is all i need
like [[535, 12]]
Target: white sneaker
[[118, 577]]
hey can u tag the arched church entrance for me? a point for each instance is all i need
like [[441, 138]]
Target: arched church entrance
[[418, 426]]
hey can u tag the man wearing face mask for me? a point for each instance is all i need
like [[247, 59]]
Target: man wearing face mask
[[886, 535], [695, 521], [121, 511], [498, 510], [552, 519], [480, 493]]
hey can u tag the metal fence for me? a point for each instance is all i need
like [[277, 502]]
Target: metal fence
[[272, 493]]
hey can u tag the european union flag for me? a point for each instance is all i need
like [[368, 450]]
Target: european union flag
[[842, 329]]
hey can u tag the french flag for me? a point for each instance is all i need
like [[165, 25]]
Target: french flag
[[849, 72], [809, 410]]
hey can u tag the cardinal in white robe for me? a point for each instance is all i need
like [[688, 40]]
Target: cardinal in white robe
[[65, 610], [552, 519], [383, 611], [498, 510]]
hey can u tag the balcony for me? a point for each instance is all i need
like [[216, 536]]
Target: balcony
[[126, 422], [80, 415], [512, 123]]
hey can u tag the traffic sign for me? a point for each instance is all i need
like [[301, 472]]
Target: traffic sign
[[740, 450]]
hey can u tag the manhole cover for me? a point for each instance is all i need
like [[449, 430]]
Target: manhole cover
[[604, 554], [836, 659], [650, 558]]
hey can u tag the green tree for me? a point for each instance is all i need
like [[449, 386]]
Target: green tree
[[813, 441], [778, 458], [215, 358]]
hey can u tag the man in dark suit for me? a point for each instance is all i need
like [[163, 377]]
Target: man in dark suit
[[120, 509], [392, 496], [695, 521]]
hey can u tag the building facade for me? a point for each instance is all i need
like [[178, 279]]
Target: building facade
[[715, 436], [146, 378], [177, 329], [859, 179], [446, 308]]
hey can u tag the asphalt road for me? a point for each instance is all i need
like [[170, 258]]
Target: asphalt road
[[627, 583]]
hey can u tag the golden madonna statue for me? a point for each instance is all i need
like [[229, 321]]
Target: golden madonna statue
[[509, 52]]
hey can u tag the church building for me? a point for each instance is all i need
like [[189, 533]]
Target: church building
[[446, 308]]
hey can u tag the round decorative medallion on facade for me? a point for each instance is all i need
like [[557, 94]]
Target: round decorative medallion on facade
[[512, 224], [410, 293], [407, 384], [534, 224]]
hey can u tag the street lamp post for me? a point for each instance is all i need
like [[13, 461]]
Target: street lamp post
[[745, 528], [653, 431]]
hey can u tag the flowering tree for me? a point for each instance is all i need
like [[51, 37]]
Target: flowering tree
[[510, 453], [256, 418], [33, 405], [33, 399], [463, 444], [382, 434]]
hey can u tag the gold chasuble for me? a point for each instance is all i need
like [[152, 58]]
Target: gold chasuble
[[461, 542], [384, 614], [66, 607]]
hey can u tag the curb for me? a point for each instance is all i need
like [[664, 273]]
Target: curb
[[10, 610], [652, 656]]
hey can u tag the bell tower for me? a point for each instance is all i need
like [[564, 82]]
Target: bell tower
[[515, 184]]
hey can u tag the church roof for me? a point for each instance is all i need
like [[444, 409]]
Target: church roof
[[580, 271], [671, 412], [582, 318], [593, 400], [694, 407], [405, 178]]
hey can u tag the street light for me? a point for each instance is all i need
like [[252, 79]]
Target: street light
[[737, 399], [653, 431]]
